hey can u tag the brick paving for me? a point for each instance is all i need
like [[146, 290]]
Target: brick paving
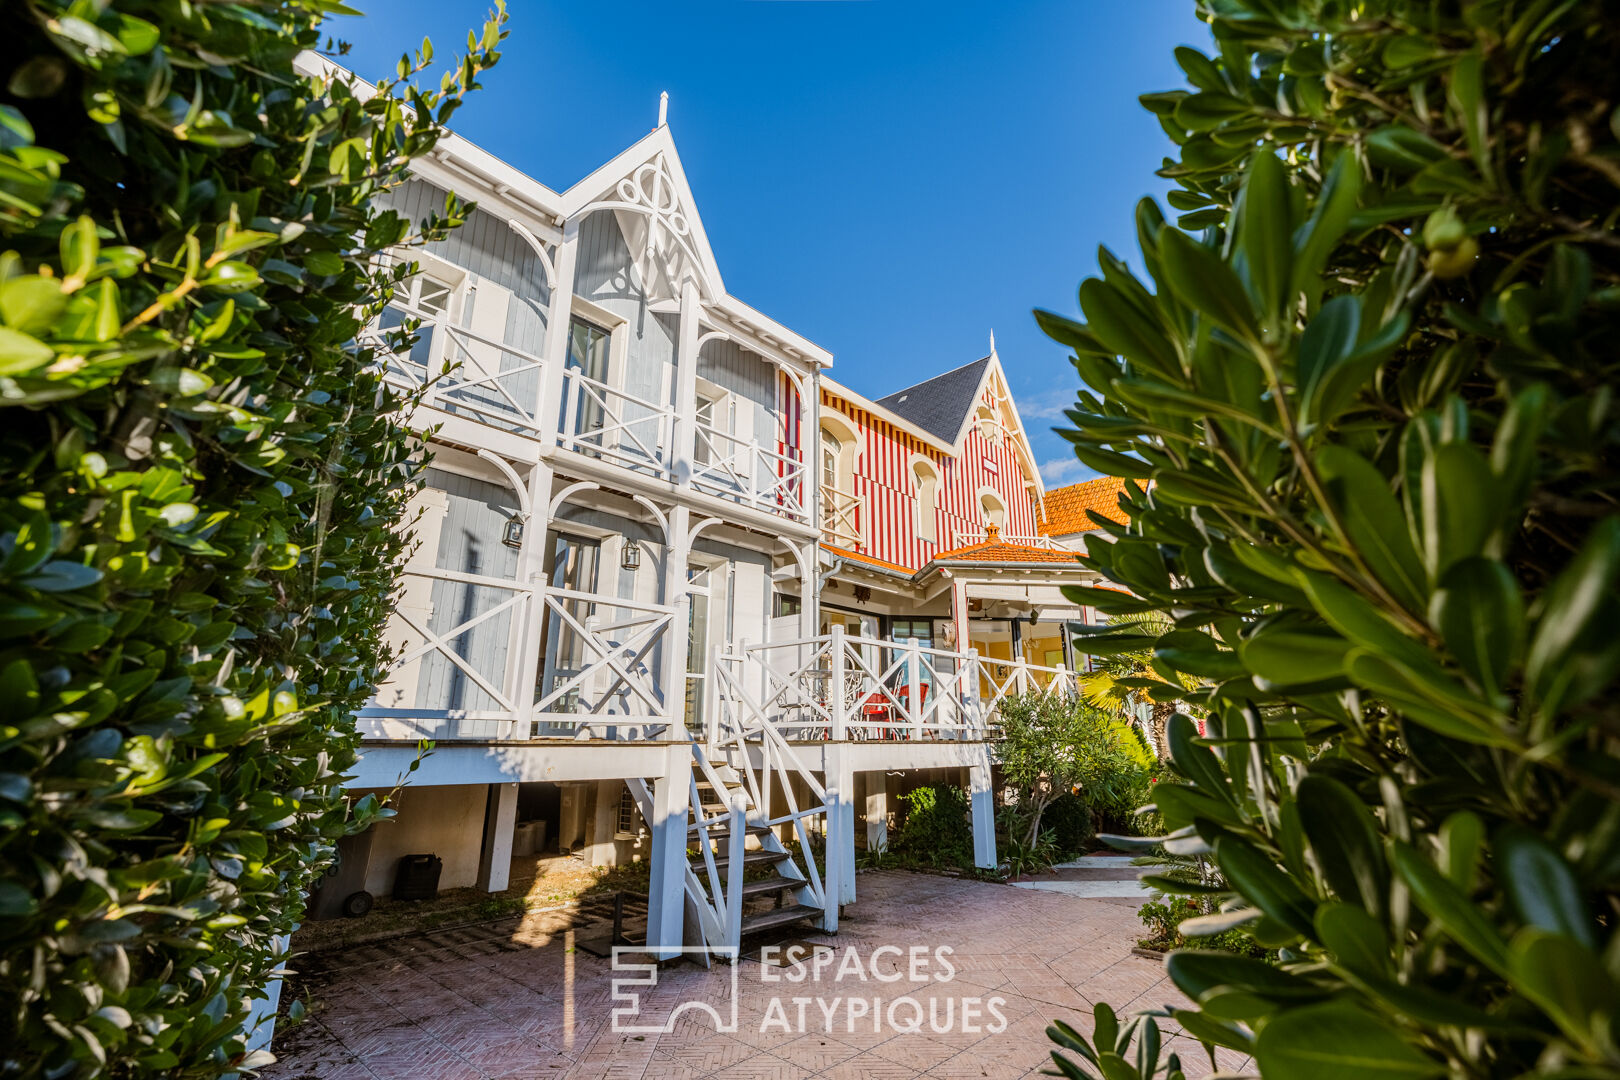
[[510, 999]]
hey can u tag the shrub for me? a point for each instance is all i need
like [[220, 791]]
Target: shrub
[[1375, 404], [1054, 746], [200, 483], [1021, 858], [1165, 924], [1067, 822], [934, 827]]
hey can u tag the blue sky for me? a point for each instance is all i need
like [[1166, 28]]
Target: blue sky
[[890, 179]]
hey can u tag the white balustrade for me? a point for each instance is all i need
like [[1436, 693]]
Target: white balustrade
[[843, 517], [746, 472]]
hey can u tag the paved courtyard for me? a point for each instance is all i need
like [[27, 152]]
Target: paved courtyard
[[515, 1000]]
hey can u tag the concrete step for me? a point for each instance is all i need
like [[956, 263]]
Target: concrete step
[[753, 924]]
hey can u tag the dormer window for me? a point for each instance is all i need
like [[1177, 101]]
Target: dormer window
[[925, 478], [994, 510]]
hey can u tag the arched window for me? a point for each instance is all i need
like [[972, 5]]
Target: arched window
[[830, 451], [995, 511], [926, 479], [842, 521]]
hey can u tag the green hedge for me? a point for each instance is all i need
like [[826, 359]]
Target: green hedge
[[1368, 390], [201, 484]]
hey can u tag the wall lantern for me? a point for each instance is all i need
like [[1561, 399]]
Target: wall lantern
[[512, 535], [630, 557]]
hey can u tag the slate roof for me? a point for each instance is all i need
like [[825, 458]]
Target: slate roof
[[941, 405], [1063, 511]]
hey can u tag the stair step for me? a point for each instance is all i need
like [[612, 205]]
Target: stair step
[[752, 924], [751, 830], [755, 858], [769, 885]]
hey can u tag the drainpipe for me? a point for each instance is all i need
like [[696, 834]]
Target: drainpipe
[[826, 575]]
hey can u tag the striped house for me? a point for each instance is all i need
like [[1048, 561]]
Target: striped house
[[932, 523]]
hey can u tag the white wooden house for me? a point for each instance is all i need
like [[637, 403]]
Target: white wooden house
[[618, 619]]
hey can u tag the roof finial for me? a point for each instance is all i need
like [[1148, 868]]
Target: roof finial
[[663, 109], [993, 342]]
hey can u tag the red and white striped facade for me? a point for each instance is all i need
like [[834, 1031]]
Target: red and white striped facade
[[992, 455]]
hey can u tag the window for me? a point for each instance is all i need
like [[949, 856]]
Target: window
[[995, 512], [919, 630], [926, 479], [574, 561], [830, 450], [785, 604], [430, 297], [628, 827], [588, 357], [716, 414], [708, 622]]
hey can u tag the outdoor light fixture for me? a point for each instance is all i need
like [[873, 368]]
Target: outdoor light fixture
[[512, 535], [630, 557]]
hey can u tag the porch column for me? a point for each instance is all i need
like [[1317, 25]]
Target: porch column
[[530, 620], [684, 434], [809, 596], [666, 884], [495, 858], [601, 849], [676, 552], [959, 614], [840, 877], [556, 345], [877, 810], [984, 811]]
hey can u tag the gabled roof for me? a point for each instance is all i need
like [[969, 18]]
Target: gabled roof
[[943, 405], [1063, 511]]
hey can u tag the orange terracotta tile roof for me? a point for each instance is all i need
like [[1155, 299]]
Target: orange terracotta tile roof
[[1064, 510], [856, 556], [999, 551]]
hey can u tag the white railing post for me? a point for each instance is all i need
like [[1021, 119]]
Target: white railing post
[[835, 691], [980, 715], [1022, 678], [555, 350], [711, 699], [734, 865], [914, 688]]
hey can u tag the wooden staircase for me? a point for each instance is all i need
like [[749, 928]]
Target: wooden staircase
[[775, 891], [736, 889]]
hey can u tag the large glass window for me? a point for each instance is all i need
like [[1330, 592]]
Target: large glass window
[[919, 630], [588, 346], [708, 620]]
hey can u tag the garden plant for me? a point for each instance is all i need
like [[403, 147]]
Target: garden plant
[[1054, 747], [1365, 383], [202, 483]]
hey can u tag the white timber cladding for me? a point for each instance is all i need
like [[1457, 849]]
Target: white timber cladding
[[604, 421]]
